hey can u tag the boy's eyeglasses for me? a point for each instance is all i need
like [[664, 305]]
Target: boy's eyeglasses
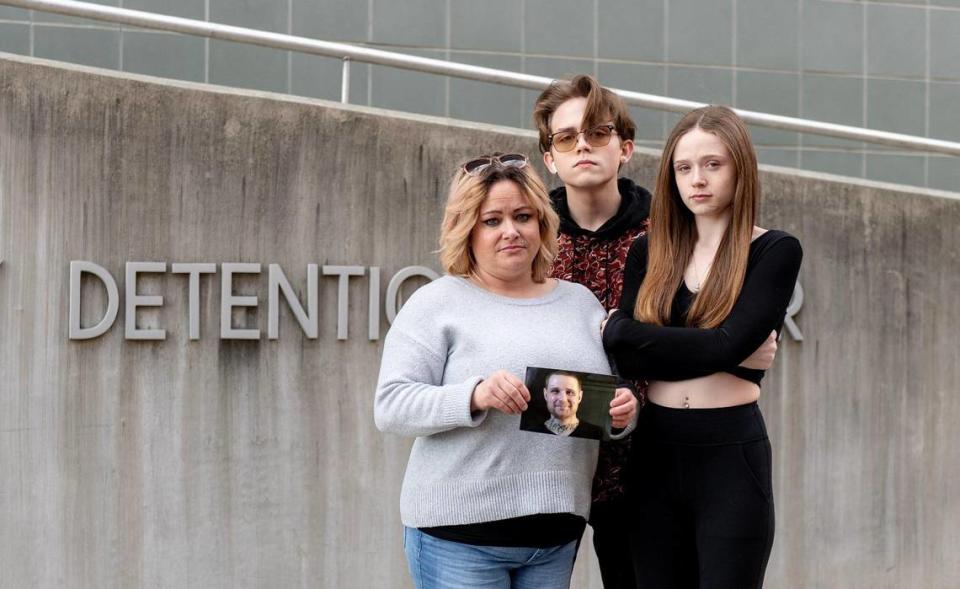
[[597, 136], [477, 166]]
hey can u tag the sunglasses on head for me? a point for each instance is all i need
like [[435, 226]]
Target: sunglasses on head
[[479, 165], [596, 136]]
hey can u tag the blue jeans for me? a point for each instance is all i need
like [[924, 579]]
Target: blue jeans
[[442, 564]]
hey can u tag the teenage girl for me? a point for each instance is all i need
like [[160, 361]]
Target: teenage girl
[[701, 291]]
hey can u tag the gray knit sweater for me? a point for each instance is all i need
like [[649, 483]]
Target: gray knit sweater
[[468, 468]]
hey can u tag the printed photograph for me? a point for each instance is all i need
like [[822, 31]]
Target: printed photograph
[[568, 403]]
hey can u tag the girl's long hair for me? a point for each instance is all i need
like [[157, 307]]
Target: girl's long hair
[[673, 231]]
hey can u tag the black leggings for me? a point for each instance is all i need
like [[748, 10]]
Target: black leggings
[[701, 498], [611, 543]]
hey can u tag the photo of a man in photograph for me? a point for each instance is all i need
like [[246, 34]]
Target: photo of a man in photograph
[[562, 393]]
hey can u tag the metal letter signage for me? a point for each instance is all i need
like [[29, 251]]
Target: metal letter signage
[[278, 286], [77, 268]]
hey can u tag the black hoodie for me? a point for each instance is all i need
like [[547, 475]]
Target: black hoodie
[[596, 259]]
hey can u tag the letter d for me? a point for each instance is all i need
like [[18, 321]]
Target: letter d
[[77, 268]]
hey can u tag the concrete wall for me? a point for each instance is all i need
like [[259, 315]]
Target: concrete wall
[[225, 463]]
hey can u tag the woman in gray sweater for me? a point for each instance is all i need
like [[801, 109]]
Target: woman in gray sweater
[[484, 503]]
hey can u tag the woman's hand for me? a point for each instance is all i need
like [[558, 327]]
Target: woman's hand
[[603, 324], [762, 358], [501, 391], [623, 408]]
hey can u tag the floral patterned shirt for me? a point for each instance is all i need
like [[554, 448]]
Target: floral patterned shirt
[[596, 260]]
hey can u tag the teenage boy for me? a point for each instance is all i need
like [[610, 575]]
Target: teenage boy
[[586, 134]]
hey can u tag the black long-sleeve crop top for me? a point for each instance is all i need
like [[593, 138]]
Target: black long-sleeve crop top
[[674, 352]]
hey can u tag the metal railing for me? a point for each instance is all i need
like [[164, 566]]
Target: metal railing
[[348, 53]]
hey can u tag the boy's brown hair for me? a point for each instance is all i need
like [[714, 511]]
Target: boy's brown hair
[[602, 105]]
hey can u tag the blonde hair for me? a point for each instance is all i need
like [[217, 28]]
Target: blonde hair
[[673, 231], [467, 194]]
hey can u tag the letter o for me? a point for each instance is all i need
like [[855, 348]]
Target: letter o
[[393, 288]]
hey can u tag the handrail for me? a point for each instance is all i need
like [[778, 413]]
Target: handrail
[[348, 52]]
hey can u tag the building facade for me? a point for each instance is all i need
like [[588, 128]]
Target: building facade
[[892, 66]]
